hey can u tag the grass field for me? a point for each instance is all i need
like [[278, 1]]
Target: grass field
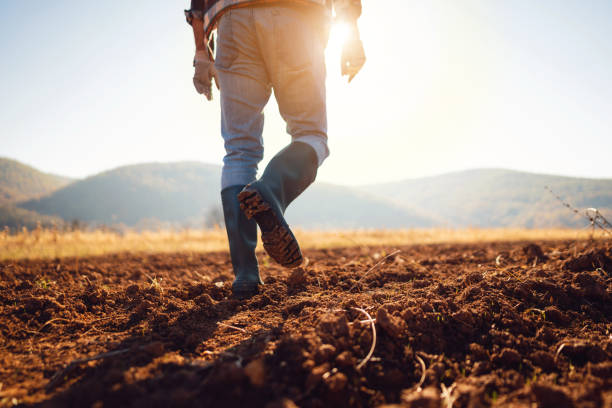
[[46, 244]]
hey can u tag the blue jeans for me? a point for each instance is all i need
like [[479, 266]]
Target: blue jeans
[[261, 48]]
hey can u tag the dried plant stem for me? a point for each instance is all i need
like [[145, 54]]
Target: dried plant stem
[[61, 319], [373, 268], [231, 327], [593, 214], [561, 347], [424, 367], [199, 275], [447, 395], [373, 326]]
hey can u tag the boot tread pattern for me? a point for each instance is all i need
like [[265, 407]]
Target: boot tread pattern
[[279, 242]]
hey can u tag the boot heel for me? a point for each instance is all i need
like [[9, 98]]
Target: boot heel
[[252, 204], [278, 239]]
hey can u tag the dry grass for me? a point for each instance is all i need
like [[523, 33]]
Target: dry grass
[[55, 244]]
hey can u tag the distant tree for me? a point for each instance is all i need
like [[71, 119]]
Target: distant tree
[[78, 225], [15, 219]]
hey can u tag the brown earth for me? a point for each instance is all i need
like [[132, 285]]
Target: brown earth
[[491, 323]]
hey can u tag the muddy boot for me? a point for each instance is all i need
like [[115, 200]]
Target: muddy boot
[[287, 175], [242, 236]]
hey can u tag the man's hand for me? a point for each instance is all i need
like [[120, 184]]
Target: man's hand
[[204, 73], [353, 55]]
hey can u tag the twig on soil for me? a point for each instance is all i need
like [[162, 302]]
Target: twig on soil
[[374, 267], [373, 326], [561, 347], [199, 275], [58, 377], [424, 367], [57, 319], [368, 321], [231, 327], [447, 395]]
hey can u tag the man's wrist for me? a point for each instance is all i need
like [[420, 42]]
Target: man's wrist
[[201, 55]]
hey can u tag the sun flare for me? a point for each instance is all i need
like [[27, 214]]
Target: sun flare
[[337, 37]]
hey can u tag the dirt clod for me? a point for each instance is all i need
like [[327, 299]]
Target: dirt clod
[[427, 398]]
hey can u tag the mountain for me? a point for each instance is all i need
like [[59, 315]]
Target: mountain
[[158, 194], [166, 192], [328, 206], [187, 194], [500, 198], [20, 182]]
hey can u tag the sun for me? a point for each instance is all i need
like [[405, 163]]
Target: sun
[[337, 37], [339, 34]]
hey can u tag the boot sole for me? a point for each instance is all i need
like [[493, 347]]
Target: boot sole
[[279, 242]]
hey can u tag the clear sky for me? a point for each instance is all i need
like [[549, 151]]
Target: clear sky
[[448, 85]]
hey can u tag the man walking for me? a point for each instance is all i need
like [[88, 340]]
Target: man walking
[[265, 45]]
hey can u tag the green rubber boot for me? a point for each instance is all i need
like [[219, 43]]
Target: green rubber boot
[[287, 175], [242, 237]]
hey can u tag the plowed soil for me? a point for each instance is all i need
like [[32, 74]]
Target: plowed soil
[[468, 325]]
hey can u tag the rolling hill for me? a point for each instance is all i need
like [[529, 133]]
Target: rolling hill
[[500, 198], [20, 182], [166, 192], [328, 206], [185, 193]]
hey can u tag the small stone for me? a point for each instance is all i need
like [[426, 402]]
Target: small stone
[[132, 290], [551, 396], [316, 375], [156, 349], [473, 278], [325, 353], [345, 359], [282, 403], [602, 370], [256, 372], [481, 367], [389, 323], [427, 398], [478, 352], [543, 359], [508, 357], [555, 315], [334, 326], [297, 279], [337, 382], [534, 253]]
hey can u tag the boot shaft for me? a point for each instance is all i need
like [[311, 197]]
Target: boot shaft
[[290, 172], [241, 234]]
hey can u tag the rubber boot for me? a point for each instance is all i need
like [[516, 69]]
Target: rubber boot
[[242, 237], [287, 175]]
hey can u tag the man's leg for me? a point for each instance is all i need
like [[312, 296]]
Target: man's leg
[[245, 91], [293, 44]]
